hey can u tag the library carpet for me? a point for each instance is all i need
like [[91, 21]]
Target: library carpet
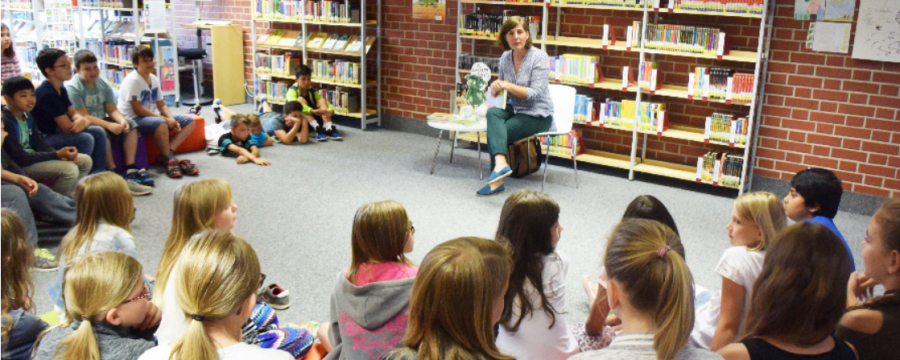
[[298, 212]]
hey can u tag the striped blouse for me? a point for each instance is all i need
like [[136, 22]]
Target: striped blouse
[[9, 68], [534, 73]]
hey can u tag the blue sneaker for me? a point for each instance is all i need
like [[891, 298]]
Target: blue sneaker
[[334, 134], [495, 176], [217, 106], [486, 191], [143, 178], [321, 134], [262, 100]]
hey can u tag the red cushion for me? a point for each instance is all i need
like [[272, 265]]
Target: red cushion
[[195, 142]]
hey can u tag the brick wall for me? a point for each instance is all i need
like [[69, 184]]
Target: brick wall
[[821, 110], [831, 111]]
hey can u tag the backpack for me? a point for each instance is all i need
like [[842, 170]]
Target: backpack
[[524, 156]]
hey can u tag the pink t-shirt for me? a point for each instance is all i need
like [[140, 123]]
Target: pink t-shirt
[[371, 273]]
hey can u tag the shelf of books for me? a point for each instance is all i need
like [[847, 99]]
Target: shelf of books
[[35, 24], [112, 28], [340, 66], [635, 99]]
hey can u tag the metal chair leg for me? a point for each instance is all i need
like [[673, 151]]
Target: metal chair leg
[[453, 144], [574, 159], [436, 151], [546, 164], [480, 172]]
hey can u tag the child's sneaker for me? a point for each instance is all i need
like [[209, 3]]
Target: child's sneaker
[[334, 134], [195, 110], [144, 179], [262, 100], [321, 135], [216, 106], [134, 187], [44, 261], [277, 297], [172, 169]]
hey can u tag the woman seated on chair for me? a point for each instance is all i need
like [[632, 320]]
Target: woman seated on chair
[[524, 74]]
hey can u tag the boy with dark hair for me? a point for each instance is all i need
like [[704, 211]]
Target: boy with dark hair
[[292, 125], [27, 148], [93, 99], [140, 100], [21, 194], [237, 142], [314, 105], [57, 118], [815, 196]]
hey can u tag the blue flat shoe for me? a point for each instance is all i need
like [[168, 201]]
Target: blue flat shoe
[[486, 191], [495, 176]]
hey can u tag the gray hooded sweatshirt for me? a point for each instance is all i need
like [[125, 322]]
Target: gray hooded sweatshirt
[[367, 321]]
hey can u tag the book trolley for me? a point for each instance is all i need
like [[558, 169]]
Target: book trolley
[[342, 62], [724, 83]]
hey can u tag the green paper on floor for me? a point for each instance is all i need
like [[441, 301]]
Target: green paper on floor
[[51, 318]]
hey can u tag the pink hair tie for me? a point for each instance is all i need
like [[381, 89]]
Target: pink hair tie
[[662, 251]]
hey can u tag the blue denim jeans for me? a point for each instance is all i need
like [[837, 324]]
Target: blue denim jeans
[[91, 141]]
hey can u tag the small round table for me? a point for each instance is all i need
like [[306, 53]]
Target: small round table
[[451, 125]]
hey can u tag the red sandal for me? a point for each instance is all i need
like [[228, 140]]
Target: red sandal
[[172, 169], [188, 168]]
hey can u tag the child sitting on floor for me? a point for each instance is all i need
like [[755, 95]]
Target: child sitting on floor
[[215, 300], [107, 302], [18, 325], [370, 299], [755, 220], [314, 104], [292, 125], [237, 142], [815, 196], [456, 300]]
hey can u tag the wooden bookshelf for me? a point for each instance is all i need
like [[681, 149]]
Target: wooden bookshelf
[[505, 3], [370, 113], [637, 160], [325, 23]]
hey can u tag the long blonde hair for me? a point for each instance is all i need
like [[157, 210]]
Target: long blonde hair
[[18, 257], [93, 284], [103, 196], [217, 273], [380, 232], [766, 211], [655, 279], [452, 301], [196, 207]]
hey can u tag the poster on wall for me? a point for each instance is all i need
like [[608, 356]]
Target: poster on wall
[[829, 37], [878, 31], [831, 10], [429, 9]]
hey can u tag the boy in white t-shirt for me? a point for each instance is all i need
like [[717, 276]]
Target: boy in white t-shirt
[[140, 99]]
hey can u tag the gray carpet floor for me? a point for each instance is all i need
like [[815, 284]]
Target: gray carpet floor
[[298, 212]]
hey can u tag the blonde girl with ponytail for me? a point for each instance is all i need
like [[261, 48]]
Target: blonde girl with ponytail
[[106, 299], [215, 283], [651, 291], [105, 210], [201, 205]]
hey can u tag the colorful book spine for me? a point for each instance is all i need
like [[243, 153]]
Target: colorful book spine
[[562, 145], [681, 38], [575, 68]]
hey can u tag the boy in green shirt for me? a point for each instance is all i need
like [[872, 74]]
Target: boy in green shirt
[[93, 98], [315, 107]]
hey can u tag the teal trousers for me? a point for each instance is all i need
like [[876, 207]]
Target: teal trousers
[[505, 127]]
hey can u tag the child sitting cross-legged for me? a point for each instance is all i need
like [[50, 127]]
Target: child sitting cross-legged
[[107, 302], [216, 301], [237, 143]]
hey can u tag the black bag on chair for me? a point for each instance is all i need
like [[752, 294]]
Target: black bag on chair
[[524, 156]]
